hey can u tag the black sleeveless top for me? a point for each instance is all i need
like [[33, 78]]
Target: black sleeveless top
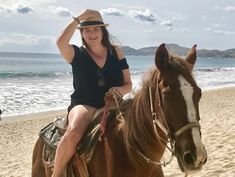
[[91, 82]]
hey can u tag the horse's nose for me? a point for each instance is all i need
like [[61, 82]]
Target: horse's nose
[[190, 158], [204, 161]]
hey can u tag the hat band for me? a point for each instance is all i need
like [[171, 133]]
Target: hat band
[[90, 23]]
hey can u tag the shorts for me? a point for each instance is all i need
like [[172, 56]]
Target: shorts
[[73, 104]]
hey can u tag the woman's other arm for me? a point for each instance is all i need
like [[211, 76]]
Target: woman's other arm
[[127, 84], [63, 40]]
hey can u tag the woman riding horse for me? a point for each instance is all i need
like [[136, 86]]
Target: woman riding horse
[[165, 108]]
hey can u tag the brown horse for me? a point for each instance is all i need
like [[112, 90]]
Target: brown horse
[[164, 109]]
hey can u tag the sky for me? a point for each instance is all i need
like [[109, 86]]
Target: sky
[[34, 25]]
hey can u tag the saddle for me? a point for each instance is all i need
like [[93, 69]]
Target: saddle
[[52, 134]]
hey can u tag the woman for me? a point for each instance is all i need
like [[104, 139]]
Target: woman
[[98, 67]]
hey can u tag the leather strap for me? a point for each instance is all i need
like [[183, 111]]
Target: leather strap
[[80, 165]]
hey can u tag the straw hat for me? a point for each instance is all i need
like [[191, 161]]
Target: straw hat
[[92, 18]]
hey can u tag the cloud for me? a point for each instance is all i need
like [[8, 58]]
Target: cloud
[[5, 10], [41, 9], [45, 1], [229, 9], [23, 9], [220, 32], [17, 8], [26, 42], [185, 30], [112, 12], [20, 38], [61, 11], [148, 30], [167, 23], [142, 16], [145, 16], [216, 8], [217, 25]]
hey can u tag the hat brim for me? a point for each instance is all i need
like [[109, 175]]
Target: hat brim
[[81, 27], [85, 24]]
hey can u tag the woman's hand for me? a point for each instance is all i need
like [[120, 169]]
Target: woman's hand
[[86, 14], [109, 96], [116, 91]]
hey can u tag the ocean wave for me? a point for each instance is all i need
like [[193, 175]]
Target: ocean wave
[[34, 74], [136, 73], [216, 69]]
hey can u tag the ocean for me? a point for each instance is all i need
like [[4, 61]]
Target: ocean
[[32, 83]]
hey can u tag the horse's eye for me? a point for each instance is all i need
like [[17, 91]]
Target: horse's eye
[[166, 91], [198, 93]]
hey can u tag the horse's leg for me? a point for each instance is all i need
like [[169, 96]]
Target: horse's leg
[[37, 164]]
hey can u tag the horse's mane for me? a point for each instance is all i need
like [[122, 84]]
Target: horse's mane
[[139, 135], [138, 132]]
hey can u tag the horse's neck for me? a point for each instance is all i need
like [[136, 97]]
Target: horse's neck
[[138, 120]]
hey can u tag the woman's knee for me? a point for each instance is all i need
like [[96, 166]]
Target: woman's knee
[[72, 135], [78, 120]]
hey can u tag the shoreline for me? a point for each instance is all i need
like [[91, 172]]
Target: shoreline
[[18, 135], [50, 111], [34, 115]]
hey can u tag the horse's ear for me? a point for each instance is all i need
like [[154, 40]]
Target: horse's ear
[[161, 58], [192, 55]]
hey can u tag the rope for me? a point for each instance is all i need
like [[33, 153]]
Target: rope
[[148, 160], [116, 96]]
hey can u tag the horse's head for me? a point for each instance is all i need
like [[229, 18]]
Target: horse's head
[[179, 96]]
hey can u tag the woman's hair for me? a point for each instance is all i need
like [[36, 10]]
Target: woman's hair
[[105, 39]]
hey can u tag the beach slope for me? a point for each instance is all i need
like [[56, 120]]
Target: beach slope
[[18, 136]]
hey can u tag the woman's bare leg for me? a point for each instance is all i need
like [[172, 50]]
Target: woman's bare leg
[[78, 120]]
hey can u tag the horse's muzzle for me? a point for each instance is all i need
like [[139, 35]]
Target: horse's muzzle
[[192, 161]]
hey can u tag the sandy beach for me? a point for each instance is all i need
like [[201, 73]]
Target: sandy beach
[[217, 109]]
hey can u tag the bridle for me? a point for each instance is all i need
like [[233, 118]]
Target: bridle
[[163, 125]]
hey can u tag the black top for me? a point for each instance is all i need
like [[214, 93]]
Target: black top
[[92, 82]]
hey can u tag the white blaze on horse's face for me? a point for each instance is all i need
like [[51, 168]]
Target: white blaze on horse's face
[[187, 92]]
